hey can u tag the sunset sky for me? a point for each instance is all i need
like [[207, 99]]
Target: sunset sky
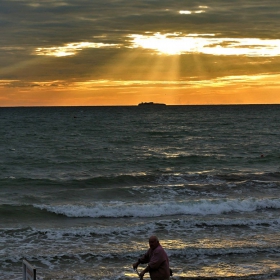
[[123, 52]]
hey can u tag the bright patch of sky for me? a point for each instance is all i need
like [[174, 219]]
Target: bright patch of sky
[[70, 49], [191, 12], [187, 12], [174, 43]]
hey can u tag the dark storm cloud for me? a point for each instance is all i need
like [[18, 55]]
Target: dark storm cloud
[[29, 24], [53, 22]]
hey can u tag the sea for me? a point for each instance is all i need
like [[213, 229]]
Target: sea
[[83, 188]]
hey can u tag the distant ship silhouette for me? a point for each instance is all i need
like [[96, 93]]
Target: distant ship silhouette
[[148, 104]]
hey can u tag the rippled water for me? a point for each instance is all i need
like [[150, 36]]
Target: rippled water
[[82, 189]]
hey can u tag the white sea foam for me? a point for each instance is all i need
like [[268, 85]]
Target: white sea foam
[[157, 209], [178, 226]]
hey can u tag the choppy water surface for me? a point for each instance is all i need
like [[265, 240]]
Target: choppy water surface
[[82, 189]]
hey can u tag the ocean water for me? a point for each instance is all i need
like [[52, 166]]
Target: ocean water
[[83, 188]]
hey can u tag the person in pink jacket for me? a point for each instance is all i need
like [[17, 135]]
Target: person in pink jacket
[[157, 260]]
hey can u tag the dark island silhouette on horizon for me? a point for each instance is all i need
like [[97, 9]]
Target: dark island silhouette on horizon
[[151, 104]]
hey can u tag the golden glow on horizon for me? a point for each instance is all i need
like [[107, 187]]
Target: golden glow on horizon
[[78, 95], [71, 48], [176, 43]]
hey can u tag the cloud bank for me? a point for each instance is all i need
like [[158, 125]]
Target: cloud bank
[[76, 42]]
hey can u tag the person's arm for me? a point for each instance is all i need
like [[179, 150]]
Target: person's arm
[[143, 259], [142, 273], [135, 265]]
